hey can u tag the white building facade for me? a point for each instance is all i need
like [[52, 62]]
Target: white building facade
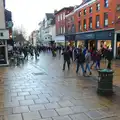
[[4, 36], [47, 30]]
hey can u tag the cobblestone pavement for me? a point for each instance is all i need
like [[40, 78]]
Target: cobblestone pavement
[[40, 90]]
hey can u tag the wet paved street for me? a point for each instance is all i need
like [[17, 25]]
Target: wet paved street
[[40, 90]]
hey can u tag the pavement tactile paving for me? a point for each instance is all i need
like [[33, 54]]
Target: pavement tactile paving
[[57, 95]]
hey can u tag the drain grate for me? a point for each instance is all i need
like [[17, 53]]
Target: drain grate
[[40, 73]]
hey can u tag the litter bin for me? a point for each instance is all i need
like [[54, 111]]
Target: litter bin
[[105, 82]]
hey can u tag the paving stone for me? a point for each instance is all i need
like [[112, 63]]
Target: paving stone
[[27, 90], [11, 104], [45, 119], [14, 117], [80, 116], [31, 115], [23, 93], [48, 113], [64, 111], [93, 114], [111, 118], [31, 97], [26, 102], [77, 102], [44, 95], [52, 105], [21, 109], [8, 111], [65, 103], [18, 98], [53, 99], [42, 100], [78, 109], [35, 92], [36, 107], [62, 118]]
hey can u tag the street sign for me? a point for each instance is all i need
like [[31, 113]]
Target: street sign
[[9, 24]]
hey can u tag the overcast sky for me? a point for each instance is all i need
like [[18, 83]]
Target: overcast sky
[[28, 13]]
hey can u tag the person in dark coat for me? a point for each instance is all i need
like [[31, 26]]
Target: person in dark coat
[[66, 55], [80, 61], [109, 57]]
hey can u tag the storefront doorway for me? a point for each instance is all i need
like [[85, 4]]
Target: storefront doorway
[[91, 44]]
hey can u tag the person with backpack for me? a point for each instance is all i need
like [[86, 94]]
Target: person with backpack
[[80, 61], [66, 55], [87, 61]]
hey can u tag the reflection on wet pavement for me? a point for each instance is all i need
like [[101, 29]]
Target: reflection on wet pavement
[[42, 91]]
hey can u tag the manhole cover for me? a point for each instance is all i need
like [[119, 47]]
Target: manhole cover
[[40, 73]]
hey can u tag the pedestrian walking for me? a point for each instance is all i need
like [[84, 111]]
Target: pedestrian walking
[[98, 59], [109, 58], [93, 57], [80, 61], [66, 56], [87, 61]]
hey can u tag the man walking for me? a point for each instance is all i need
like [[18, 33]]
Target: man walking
[[87, 61], [66, 55], [80, 61]]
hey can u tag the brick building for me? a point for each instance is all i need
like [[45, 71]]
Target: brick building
[[60, 23], [95, 24]]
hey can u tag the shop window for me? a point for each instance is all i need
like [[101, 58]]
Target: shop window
[[79, 13], [106, 3], [105, 19], [85, 12], [64, 29], [90, 22], [84, 23], [98, 6], [79, 26], [97, 21], [90, 10]]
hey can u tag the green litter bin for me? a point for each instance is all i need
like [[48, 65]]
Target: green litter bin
[[105, 82]]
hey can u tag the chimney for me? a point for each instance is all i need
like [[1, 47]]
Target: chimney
[[55, 11]]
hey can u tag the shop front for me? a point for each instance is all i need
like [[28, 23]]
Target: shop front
[[4, 36], [86, 40], [70, 40]]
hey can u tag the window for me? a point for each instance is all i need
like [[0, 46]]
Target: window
[[79, 14], [58, 18], [79, 26], [90, 10], [97, 21], [64, 29], [90, 22], [61, 30], [98, 6], [105, 3], [85, 12], [64, 15], [61, 16], [105, 19], [84, 23]]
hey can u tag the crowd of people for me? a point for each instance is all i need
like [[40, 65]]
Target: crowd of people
[[84, 58]]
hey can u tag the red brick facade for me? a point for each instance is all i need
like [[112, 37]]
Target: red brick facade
[[60, 20]]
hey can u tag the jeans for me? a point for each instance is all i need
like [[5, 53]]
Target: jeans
[[93, 63], [82, 67], [68, 63], [97, 64], [87, 67]]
